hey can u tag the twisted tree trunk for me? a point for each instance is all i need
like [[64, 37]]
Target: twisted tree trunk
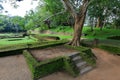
[[99, 23], [79, 20]]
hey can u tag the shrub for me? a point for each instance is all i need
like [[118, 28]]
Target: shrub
[[114, 37]]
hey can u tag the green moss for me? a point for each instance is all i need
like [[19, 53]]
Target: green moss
[[31, 61], [69, 67], [89, 57], [86, 54], [48, 67], [12, 47], [40, 69]]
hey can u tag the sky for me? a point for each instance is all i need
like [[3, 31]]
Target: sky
[[24, 6]]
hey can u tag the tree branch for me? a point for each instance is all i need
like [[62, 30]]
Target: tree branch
[[55, 15], [84, 6], [69, 7]]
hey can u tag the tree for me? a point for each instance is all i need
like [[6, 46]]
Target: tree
[[57, 14], [32, 20], [17, 20], [103, 11], [79, 16]]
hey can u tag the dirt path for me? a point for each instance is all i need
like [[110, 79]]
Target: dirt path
[[14, 68], [108, 68]]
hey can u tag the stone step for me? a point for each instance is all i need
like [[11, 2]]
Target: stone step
[[86, 69], [83, 66], [74, 54], [77, 58], [80, 64]]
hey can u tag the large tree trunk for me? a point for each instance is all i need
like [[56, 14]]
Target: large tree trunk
[[79, 21], [99, 23]]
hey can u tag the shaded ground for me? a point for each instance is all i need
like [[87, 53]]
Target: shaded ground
[[51, 52], [108, 68], [14, 68]]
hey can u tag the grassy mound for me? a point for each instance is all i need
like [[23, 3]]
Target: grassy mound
[[111, 48]]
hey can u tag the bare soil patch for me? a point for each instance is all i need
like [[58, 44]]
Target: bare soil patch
[[14, 68], [51, 52], [108, 68]]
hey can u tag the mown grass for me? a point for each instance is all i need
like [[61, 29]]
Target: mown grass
[[12, 41], [9, 44]]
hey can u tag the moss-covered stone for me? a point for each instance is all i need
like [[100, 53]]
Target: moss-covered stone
[[69, 67], [86, 54], [40, 69]]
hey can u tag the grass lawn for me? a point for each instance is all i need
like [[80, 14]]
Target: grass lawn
[[6, 34], [60, 36], [97, 33], [12, 41], [15, 43]]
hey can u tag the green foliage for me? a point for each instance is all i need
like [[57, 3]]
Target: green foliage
[[66, 29], [14, 23], [114, 37], [87, 33], [17, 20], [53, 6], [117, 23], [29, 25], [100, 34], [104, 9]]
